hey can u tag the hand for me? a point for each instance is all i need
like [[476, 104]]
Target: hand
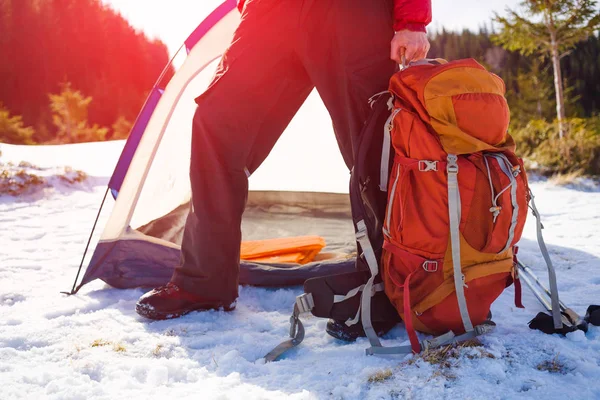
[[413, 45]]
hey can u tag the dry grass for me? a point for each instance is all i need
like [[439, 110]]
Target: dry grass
[[380, 376], [100, 343], [552, 366], [157, 352], [444, 360], [565, 179], [26, 178], [448, 356], [117, 347], [72, 176], [18, 183]]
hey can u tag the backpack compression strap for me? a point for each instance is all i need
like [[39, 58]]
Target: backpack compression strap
[[556, 316], [454, 213], [304, 303], [387, 146]]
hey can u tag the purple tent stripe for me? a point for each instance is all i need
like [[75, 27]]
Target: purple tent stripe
[[133, 140], [218, 14]]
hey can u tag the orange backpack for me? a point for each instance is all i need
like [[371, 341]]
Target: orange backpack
[[457, 197], [440, 241]]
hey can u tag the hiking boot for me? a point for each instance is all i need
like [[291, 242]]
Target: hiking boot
[[341, 331], [171, 301]]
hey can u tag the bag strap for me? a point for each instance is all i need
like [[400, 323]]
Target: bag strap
[[556, 316], [384, 169], [454, 209], [362, 237], [408, 321], [517, 279], [304, 303]]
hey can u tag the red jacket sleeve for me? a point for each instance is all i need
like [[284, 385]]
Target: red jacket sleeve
[[413, 15]]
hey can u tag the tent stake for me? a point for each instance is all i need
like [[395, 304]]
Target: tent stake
[[88, 244]]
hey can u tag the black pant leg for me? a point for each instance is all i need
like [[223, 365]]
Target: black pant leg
[[257, 90]]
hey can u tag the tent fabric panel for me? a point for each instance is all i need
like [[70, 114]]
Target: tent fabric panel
[[133, 141], [127, 264], [151, 102], [208, 23], [278, 275], [208, 49], [268, 215]]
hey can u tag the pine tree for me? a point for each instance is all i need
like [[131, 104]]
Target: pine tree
[[549, 28], [12, 129], [121, 128], [70, 116], [531, 95]]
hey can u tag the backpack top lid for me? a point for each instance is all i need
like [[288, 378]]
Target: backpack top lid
[[460, 100]]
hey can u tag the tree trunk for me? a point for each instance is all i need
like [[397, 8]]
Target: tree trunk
[[558, 88]]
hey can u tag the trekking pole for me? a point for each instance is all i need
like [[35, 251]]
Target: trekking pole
[[538, 295], [524, 268], [571, 321], [572, 315]]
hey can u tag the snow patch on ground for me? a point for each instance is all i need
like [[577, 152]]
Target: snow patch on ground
[[29, 173], [25, 179], [94, 346]]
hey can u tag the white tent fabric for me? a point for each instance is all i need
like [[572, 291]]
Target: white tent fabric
[[206, 50]]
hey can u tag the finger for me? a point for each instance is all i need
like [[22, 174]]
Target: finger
[[403, 56], [421, 54], [424, 50], [427, 47], [410, 53], [397, 54]]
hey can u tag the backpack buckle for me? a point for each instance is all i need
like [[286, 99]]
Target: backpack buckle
[[305, 302], [452, 166], [426, 166], [430, 266]]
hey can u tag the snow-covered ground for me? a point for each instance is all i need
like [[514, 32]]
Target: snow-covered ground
[[93, 345]]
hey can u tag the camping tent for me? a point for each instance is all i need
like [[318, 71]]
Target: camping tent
[[294, 192]]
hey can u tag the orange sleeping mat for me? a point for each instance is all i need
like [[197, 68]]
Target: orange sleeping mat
[[297, 250]]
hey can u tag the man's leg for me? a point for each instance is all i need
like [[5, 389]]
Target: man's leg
[[258, 88]]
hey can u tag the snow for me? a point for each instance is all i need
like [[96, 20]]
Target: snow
[[94, 346], [96, 159]]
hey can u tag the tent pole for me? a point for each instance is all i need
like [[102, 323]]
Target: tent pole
[[88, 243]]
